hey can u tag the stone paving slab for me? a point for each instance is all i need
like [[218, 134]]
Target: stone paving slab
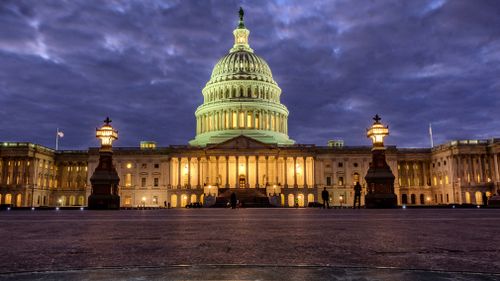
[[251, 272], [455, 240]]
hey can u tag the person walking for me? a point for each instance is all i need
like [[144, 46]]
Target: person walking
[[357, 195], [326, 198], [234, 201]]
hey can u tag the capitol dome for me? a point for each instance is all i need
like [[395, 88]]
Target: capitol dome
[[241, 98]]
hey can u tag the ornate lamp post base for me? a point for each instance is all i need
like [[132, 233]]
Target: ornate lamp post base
[[381, 201], [104, 202]]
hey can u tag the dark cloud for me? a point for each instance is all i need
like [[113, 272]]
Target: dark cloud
[[68, 64]]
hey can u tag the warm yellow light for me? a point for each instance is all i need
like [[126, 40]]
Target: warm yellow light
[[106, 134], [428, 199], [129, 165], [185, 197], [298, 169], [377, 132], [241, 169], [186, 169], [143, 198]]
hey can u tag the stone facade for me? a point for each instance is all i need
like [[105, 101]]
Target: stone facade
[[458, 172]]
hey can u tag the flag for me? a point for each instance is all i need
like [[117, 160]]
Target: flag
[[60, 134]]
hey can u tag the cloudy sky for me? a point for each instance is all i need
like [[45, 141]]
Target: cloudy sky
[[69, 64]]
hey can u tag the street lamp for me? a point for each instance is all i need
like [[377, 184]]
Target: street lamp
[[341, 198], [377, 132], [106, 134], [144, 201], [209, 188]]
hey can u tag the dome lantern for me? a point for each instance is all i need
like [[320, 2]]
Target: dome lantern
[[241, 34]]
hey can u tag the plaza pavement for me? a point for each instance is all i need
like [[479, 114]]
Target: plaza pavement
[[278, 244]]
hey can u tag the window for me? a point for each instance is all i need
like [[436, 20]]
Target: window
[[143, 182], [355, 165], [144, 166], [328, 181], [155, 200], [128, 200], [341, 180], [341, 164], [128, 179], [156, 180], [157, 166]]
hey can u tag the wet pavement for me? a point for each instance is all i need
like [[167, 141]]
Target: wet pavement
[[251, 244]]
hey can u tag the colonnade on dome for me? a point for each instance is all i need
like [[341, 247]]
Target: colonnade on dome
[[236, 119]]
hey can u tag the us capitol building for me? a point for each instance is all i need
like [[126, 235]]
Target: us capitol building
[[242, 145]]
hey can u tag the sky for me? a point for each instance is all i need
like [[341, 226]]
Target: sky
[[69, 64]]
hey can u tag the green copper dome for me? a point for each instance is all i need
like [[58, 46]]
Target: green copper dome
[[241, 98]]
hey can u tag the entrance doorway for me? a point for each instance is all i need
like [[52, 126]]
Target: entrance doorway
[[242, 181]]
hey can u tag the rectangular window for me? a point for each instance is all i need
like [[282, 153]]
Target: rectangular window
[[156, 181], [249, 120], [341, 180], [143, 182], [157, 166], [241, 119], [341, 164], [128, 179], [155, 200], [144, 166], [128, 200], [235, 119], [329, 181]]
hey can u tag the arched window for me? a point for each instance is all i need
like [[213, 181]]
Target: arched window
[[193, 198], [291, 200], [404, 199], [173, 201], [310, 198], [422, 199], [301, 200], [184, 200], [413, 199], [8, 198], [467, 197], [479, 198]]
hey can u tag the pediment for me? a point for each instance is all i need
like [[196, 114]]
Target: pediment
[[241, 142]]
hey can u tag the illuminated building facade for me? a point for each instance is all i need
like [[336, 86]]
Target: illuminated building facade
[[242, 143]]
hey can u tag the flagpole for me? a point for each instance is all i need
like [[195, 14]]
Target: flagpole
[[430, 135], [57, 139]]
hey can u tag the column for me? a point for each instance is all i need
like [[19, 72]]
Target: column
[[294, 171], [495, 162], [267, 171], [286, 170], [314, 174], [198, 172], [256, 170], [305, 172], [179, 172], [217, 171], [189, 172], [227, 171], [237, 163], [230, 112], [247, 178], [276, 170]]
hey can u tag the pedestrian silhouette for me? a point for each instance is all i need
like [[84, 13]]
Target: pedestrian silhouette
[[326, 198], [233, 200], [357, 195]]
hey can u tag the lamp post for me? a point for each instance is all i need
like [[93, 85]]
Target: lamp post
[[379, 178], [105, 179]]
